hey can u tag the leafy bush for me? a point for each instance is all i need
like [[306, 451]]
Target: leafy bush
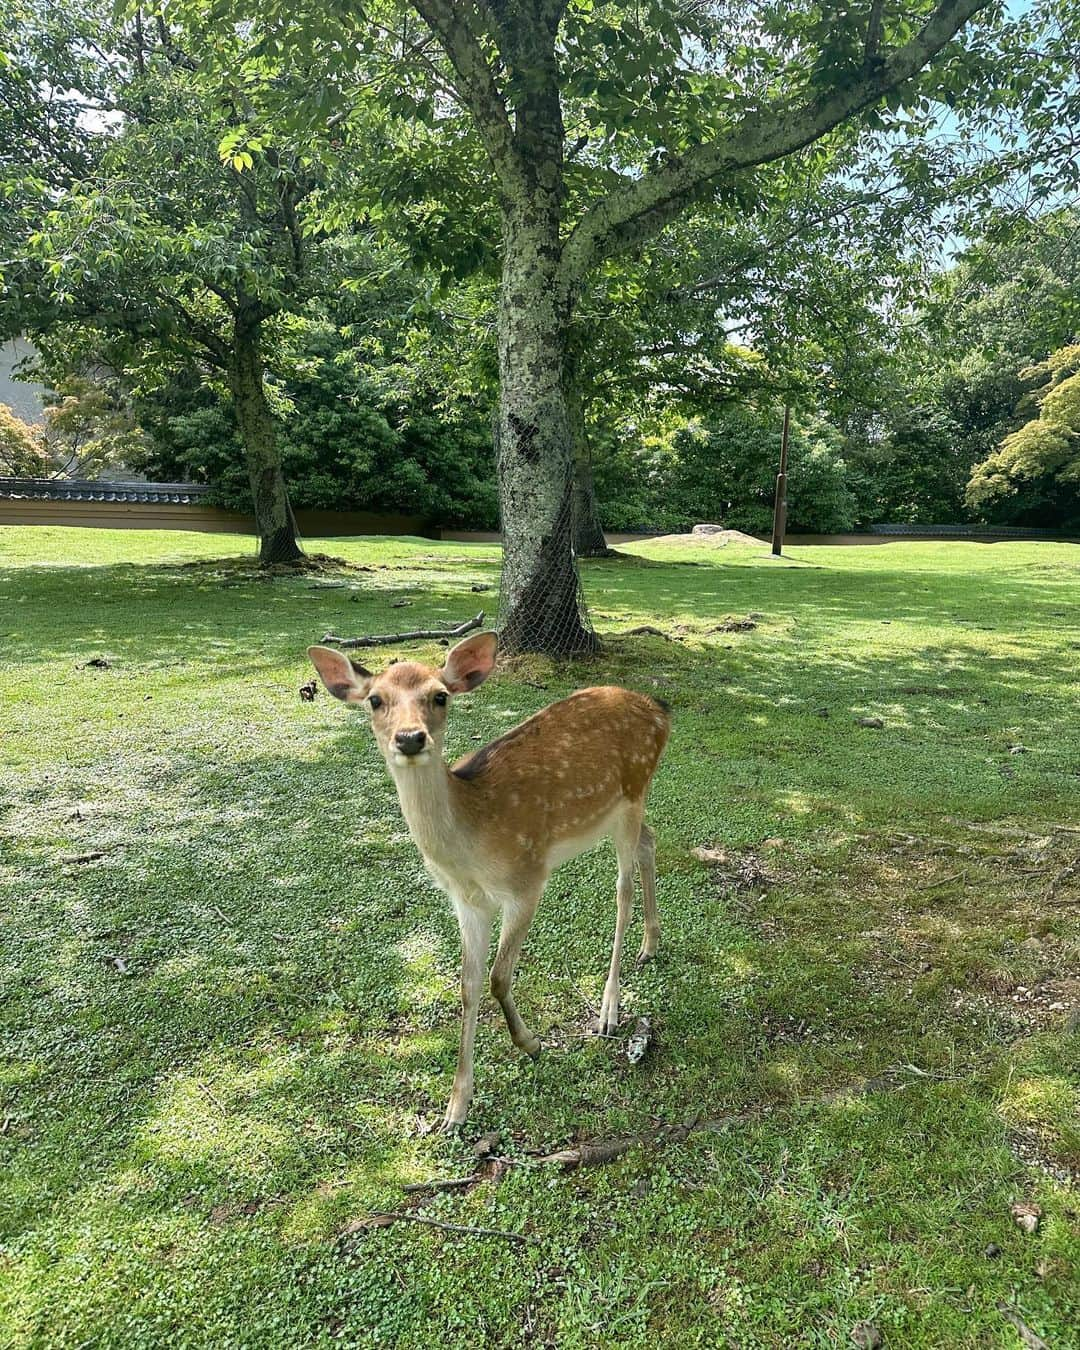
[[725, 472], [1034, 474], [21, 452], [346, 442]]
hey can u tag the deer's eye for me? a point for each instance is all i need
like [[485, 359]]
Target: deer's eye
[[375, 701], [439, 699]]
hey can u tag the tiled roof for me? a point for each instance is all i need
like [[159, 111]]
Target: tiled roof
[[971, 531], [83, 490]]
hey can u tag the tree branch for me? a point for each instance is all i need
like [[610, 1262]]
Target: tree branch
[[475, 85], [551, 13], [639, 209], [873, 32]]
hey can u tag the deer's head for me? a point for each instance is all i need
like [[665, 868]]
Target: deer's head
[[408, 701]]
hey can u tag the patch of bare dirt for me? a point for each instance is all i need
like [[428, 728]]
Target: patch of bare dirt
[[236, 569], [716, 539], [740, 869]]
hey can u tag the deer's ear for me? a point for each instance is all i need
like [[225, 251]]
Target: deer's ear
[[345, 679], [469, 663]]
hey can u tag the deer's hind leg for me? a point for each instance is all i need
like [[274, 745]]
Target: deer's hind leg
[[625, 834], [517, 919], [646, 861]]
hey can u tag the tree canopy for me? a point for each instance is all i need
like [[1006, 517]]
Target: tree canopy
[[558, 265]]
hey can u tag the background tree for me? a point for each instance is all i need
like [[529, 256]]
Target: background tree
[[536, 73], [1041, 459], [21, 453], [951, 383], [174, 242]]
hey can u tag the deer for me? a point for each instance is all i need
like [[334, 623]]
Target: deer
[[492, 826]]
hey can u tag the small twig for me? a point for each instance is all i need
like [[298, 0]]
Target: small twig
[[203, 1088], [445, 1184], [933, 885], [1062, 876], [417, 635], [392, 1216], [221, 913], [83, 858], [1030, 1338]]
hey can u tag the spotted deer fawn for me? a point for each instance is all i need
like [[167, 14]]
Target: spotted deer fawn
[[493, 826]]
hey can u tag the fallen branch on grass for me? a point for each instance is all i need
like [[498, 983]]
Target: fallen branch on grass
[[595, 1152], [1030, 1338], [417, 635]]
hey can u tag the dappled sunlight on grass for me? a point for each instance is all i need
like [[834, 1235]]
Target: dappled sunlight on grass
[[193, 1124]]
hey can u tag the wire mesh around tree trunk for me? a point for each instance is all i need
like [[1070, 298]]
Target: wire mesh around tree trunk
[[548, 613], [283, 545]]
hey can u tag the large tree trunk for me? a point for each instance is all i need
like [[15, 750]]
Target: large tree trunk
[[588, 533], [258, 434], [543, 609]]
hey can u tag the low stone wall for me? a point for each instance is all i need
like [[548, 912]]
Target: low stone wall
[[161, 515]]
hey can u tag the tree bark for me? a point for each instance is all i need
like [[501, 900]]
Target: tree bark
[[258, 434], [588, 536], [542, 605], [541, 593]]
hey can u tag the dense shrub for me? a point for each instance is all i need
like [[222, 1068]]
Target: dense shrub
[[345, 444]]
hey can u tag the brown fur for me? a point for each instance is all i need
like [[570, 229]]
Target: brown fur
[[563, 768]]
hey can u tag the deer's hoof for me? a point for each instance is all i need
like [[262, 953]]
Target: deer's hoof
[[644, 958]]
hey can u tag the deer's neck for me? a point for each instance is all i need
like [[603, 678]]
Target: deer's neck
[[425, 792]]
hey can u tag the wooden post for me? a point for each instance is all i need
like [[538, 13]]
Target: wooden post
[[780, 500]]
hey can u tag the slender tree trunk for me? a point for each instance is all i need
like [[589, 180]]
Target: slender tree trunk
[[542, 604], [588, 537], [258, 434]]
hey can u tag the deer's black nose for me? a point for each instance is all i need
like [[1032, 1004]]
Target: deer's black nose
[[410, 742]]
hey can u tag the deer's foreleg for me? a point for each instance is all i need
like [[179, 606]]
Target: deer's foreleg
[[474, 920]]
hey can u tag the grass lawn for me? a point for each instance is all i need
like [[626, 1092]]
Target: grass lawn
[[228, 993]]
